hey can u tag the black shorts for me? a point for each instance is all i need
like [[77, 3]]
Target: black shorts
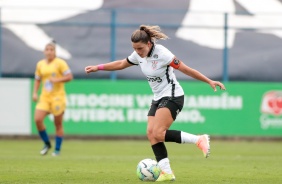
[[174, 104]]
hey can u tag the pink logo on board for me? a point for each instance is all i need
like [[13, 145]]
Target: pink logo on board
[[271, 109], [272, 103]]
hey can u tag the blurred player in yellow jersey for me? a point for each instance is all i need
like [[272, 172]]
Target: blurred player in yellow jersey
[[51, 72]]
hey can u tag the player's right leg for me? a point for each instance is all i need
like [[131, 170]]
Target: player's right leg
[[166, 177], [160, 152], [39, 120]]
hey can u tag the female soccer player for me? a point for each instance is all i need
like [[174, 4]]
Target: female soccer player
[[52, 72], [157, 63]]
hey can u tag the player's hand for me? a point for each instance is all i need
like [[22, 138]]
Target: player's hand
[[90, 69], [53, 80], [213, 84], [34, 97]]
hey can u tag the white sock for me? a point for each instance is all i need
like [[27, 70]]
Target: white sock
[[189, 138], [165, 166]]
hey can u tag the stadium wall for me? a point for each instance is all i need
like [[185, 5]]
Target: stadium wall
[[119, 108], [15, 103]]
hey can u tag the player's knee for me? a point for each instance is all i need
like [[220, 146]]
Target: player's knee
[[158, 134], [38, 121], [60, 132], [150, 135], [59, 125]]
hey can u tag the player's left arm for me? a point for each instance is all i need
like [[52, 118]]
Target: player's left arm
[[66, 73], [66, 78], [179, 65]]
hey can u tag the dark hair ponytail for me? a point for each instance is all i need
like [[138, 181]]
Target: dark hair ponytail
[[148, 33]]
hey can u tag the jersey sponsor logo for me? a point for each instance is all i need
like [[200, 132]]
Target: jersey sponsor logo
[[154, 65], [154, 79], [48, 86]]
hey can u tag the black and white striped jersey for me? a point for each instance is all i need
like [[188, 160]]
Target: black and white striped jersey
[[156, 67]]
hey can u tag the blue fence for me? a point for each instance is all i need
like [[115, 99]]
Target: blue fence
[[116, 19]]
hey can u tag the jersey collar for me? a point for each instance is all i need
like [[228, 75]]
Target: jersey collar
[[151, 51]]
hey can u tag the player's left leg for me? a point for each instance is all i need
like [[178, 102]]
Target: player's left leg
[[58, 108], [58, 120], [174, 105], [155, 134]]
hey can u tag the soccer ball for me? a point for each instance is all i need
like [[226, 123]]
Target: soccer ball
[[148, 170]]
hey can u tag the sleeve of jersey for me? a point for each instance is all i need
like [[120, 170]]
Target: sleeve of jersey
[[170, 58], [175, 63], [64, 68], [132, 59], [37, 72]]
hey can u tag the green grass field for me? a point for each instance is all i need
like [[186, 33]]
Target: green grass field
[[96, 161]]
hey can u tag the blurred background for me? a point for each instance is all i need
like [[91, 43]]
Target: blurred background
[[237, 42]]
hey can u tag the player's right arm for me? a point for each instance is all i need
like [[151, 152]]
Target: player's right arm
[[111, 66], [37, 81], [35, 90]]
